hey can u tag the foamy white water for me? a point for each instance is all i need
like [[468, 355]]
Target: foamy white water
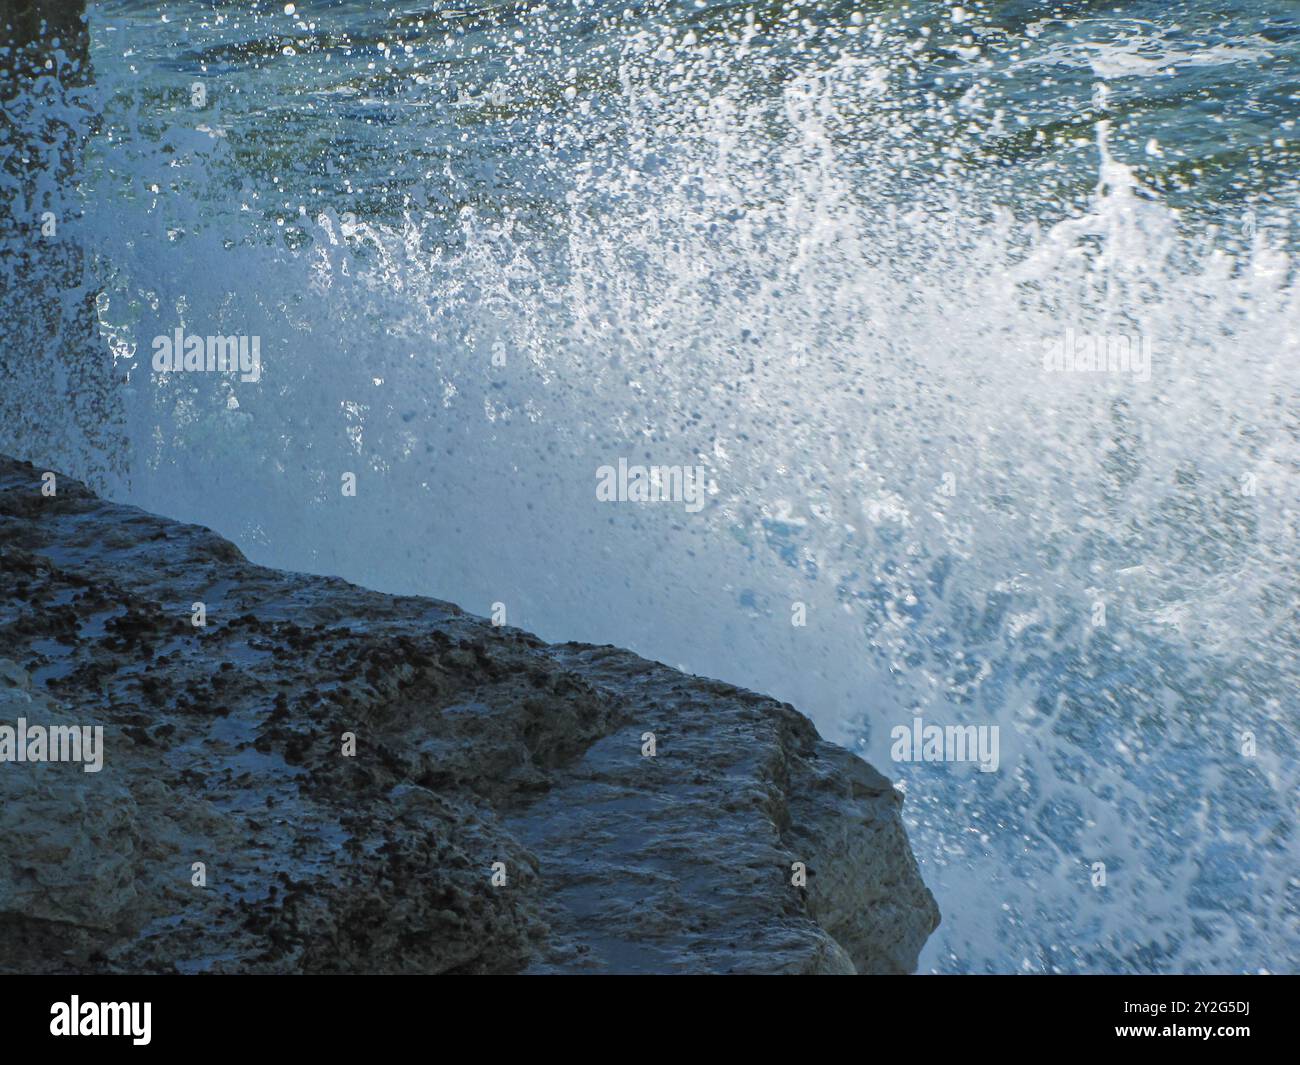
[[794, 290]]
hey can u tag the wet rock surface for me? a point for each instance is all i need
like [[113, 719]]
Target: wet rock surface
[[224, 744]]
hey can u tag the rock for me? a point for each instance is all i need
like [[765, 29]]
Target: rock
[[498, 814]]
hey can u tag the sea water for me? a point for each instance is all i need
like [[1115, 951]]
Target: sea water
[[868, 271]]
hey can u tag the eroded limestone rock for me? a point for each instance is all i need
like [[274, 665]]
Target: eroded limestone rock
[[482, 753]]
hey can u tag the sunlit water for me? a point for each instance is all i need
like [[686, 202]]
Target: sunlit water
[[819, 254]]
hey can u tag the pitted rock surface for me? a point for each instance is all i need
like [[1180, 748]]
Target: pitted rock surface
[[478, 751]]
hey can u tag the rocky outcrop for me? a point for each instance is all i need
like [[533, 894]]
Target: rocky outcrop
[[322, 778]]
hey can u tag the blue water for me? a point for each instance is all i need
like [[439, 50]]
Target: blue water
[[815, 251]]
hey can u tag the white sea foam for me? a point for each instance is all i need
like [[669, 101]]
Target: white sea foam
[[849, 345]]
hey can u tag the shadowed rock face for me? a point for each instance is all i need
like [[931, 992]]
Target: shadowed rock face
[[475, 745]]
